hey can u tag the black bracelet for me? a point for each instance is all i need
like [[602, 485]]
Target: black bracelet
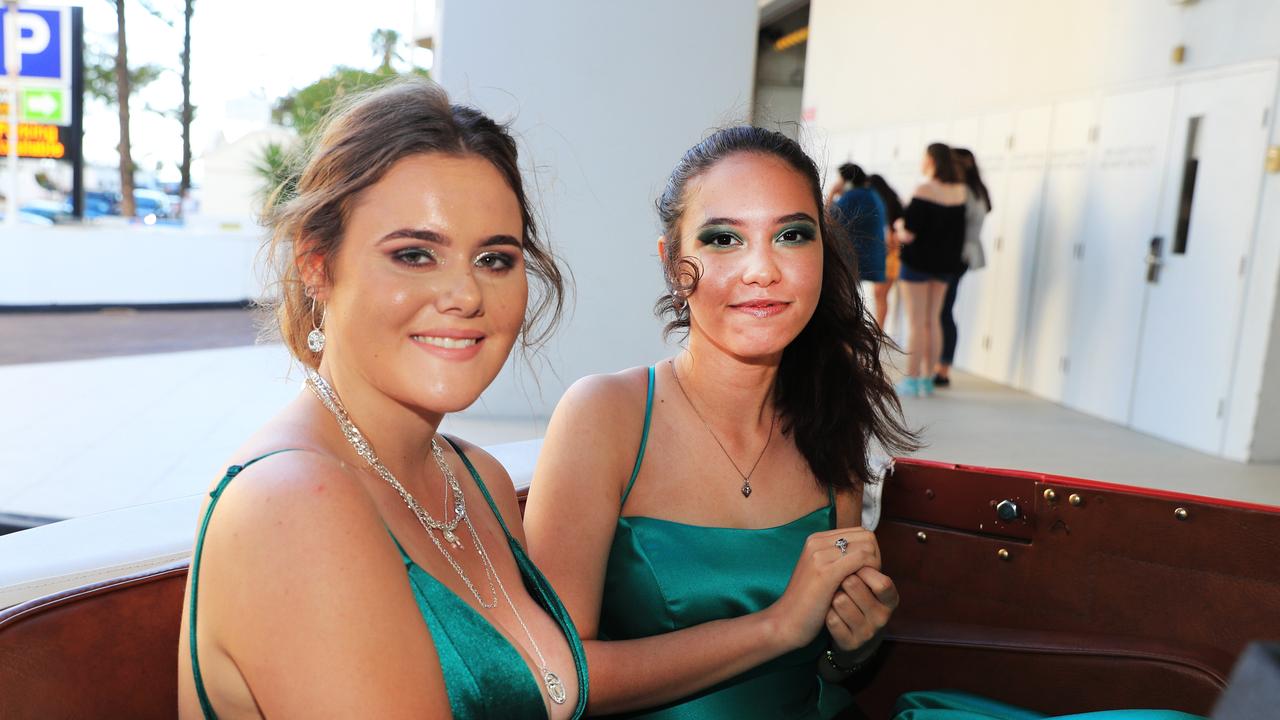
[[831, 659]]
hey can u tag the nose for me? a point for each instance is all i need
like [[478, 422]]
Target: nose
[[460, 293], [762, 266]]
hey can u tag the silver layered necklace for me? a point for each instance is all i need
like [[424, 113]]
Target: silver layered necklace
[[446, 528]]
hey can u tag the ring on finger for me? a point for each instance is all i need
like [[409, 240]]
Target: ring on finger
[[842, 545]]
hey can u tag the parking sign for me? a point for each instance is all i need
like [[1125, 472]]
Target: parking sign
[[43, 42]]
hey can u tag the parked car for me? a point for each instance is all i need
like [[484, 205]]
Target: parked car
[[51, 210], [30, 218]]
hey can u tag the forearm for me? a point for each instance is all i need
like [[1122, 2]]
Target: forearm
[[677, 664]]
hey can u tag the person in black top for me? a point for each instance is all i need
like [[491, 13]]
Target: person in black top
[[932, 230]]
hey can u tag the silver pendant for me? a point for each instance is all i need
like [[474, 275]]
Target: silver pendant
[[555, 688], [452, 539], [746, 489]]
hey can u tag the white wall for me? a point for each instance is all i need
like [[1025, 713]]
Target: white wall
[[125, 265], [604, 98], [872, 63], [980, 73]]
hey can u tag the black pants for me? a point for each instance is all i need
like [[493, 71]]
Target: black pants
[[949, 322]]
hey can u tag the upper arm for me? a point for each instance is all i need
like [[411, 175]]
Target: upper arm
[[576, 495], [312, 603]]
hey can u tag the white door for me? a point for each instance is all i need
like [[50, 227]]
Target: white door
[[1119, 219], [1061, 232], [1010, 266], [1213, 179], [977, 291]]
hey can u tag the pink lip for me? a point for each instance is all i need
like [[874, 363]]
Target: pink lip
[[761, 308], [462, 353]]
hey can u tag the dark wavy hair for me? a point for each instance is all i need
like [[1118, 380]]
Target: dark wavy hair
[[892, 203], [944, 164], [832, 391], [968, 165]]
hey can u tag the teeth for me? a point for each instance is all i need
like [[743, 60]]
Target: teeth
[[443, 342]]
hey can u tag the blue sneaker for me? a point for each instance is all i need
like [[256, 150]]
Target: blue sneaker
[[926, 386], [908, 387]]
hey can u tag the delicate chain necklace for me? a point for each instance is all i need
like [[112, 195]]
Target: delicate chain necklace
[[327, 396], [746, 477]]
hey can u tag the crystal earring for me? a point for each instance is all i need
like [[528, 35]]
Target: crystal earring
[[315, 338]]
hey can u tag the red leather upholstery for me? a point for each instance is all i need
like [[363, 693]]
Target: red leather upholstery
[[1113, 602], [107, 650]]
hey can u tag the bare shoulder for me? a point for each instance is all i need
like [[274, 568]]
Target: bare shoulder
[[928, 190], [600, 417], [606, 392], [591, 443], [302, 501]]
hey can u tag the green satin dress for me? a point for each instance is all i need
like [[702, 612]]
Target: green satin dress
[[484, 675], [664, 576], [956, 705]]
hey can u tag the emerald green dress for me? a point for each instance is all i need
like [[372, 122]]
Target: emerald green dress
[[956, 705], [484, 675], [664, 576]]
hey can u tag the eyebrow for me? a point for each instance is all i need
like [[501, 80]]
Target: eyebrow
[[793, 217], [432, 236]]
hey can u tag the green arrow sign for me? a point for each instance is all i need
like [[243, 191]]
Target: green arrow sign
[[44, 105]]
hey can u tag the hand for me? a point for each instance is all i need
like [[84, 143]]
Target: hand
[[860, 609], [800, 613], [904, 235]]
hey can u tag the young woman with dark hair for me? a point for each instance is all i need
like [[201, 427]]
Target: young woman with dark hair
[[332, 581], [862, 215], [932, 232], [893, 247], [701, 517], [977, 204]]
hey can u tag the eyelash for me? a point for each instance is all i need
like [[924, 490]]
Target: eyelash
[[505, 261], [804, 235]]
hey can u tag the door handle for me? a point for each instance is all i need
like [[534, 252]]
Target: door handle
[[1154, 263]]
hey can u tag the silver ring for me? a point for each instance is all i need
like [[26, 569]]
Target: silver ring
[[842, 545]]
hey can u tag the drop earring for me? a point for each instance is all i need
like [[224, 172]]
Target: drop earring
[[315, 338]]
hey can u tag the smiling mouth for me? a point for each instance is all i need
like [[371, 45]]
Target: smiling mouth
[[445, 342], [761, 308]]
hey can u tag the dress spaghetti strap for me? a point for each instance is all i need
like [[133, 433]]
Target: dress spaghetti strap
[[644, 436], [232, 471]]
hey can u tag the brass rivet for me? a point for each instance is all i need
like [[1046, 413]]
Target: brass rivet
[[1075, 500], [1003, 554], [922, 537], [1050, 495], [1181, 514], [928, 494]]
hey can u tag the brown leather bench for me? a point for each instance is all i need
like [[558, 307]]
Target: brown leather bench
[[106, 650], [1111, 599]]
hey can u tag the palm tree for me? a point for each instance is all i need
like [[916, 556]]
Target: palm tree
[[123, 92], [385, 43], [187, 110]]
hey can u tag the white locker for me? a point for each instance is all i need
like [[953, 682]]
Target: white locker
[[1011, 266], [1119, 218], [1054, 283]]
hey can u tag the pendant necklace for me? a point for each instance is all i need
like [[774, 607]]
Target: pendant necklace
[[329, 398], [746, 477]]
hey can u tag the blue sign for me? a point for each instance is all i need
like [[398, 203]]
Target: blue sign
[[42, 44]]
